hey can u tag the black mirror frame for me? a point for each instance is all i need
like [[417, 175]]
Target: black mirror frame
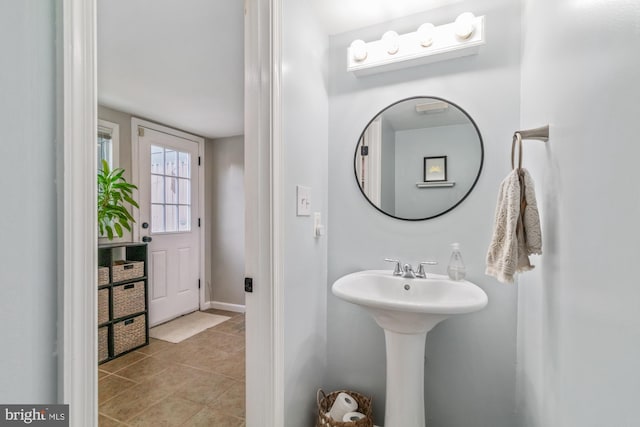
[[475, 181]]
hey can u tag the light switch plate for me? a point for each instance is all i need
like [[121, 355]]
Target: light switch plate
[[304, 201]]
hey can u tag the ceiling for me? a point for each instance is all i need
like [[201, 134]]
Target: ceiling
[[181, 63]]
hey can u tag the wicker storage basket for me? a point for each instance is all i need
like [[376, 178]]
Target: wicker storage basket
[[129, 334], [325, 401], [103, 343], [103, 306], [128, 299], [127, 270], [103, 276]]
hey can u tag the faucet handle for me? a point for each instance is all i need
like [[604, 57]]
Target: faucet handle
[[397, 271], [421, 272]]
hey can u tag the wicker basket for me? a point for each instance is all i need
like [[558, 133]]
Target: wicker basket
[[129, 334], [325, 401], [127, 270], [103, 343], [103, 306], [128, 299], [103, 276]]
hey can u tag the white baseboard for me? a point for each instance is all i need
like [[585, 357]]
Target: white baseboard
[[223, 306]]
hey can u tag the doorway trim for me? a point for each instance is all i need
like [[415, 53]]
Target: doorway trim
[[77, 300], [264, 214], [135, 177]]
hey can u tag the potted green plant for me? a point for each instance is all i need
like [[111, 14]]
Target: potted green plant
[[113, 192]]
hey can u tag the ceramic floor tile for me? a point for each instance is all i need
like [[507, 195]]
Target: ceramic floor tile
[[155, 346], [104, 421], [232, 366], [122, 361], [136, 399], [232, 402], [144, 369], [169, 412], [206, 369], [224, 341], [230, 327], [111, 386], [204, 389], [209, 417]]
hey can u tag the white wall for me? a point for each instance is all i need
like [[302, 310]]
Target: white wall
[[224, 199], [304, 131], [470, 371], [579, 327], [28, 219]]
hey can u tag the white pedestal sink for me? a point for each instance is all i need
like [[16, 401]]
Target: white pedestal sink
[[407, 309]]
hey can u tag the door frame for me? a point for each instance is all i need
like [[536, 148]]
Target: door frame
[[77, 302], [135, 178]]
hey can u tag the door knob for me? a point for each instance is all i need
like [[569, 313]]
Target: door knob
[[145, 225], [146, 239]]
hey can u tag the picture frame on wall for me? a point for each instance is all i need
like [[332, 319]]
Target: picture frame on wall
[[435, 169]]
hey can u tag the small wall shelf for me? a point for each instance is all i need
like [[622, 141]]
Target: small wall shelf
[[435, 184]]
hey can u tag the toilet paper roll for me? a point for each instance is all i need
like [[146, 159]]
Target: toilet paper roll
[[343, 404], [353, 416]]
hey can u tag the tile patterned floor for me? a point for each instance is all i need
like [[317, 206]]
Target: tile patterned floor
[[199, 382]]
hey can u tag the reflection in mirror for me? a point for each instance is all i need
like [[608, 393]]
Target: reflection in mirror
[[419, 158]]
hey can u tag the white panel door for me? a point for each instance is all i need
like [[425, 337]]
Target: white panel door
[[168, 192]]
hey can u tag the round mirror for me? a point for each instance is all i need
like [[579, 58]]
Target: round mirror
[[418, 158]]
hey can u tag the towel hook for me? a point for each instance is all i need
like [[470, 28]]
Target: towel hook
[[541, 134], [516, 138]]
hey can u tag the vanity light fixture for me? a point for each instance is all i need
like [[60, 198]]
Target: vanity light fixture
[[429, 43], [391, 42], [425, 34], [465, 25], [359, 50]]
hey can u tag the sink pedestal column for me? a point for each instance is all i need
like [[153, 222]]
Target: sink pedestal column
[[405, 379]]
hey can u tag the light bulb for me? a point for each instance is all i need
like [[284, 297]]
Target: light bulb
[[391, 42], [464, 25], [425, 34], [359, 50]]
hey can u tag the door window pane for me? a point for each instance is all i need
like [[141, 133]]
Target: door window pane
[[171, 163], [157, 159], [157, 189], [183, 168], [170, 195], [184, 218], [171, 218], [157, 218], [171, 190], [184, 191]]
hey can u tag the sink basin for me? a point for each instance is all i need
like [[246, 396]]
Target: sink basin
[[409, 305], [407, 309]]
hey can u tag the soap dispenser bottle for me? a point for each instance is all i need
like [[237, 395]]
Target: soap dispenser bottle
[[456, 269]]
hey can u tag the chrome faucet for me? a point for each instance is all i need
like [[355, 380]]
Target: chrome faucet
[[422, 274], [407, 271], [397, 271]]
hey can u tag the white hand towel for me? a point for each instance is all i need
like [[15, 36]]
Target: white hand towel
[[517, 228], [530, 216], [502, 256]]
